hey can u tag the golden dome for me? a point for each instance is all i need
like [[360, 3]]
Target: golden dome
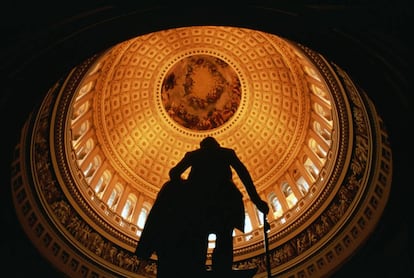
[[297, 121]]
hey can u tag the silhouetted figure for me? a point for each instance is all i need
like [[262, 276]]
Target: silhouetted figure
[[215, 201], [186, 211], [168, 234]]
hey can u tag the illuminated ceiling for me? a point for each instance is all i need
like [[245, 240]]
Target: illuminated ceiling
[[151, 99], [143, 140], [124, 117]]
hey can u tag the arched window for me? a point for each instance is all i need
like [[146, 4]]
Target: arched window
[[129, 206], [322, 132], [211, 241], [92, 167], [143, 215], [80, 130], [260, 217], [317, 149], [84, 149], [80, 110], [288, 193], [95, 69], [303, 186], [311, 168], [320, 93], [115, 196], [323, 112], [275, 205], [102, 183], [85, 89], [247, 226], [312, 73]]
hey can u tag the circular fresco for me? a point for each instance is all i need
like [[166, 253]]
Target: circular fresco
[[201, 92]]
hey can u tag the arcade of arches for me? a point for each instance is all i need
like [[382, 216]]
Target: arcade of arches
[[93, 156]]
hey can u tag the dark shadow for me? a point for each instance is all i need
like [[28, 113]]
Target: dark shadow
[[187, 210]]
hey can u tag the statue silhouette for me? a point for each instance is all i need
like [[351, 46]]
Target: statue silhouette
[[187, 210]]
